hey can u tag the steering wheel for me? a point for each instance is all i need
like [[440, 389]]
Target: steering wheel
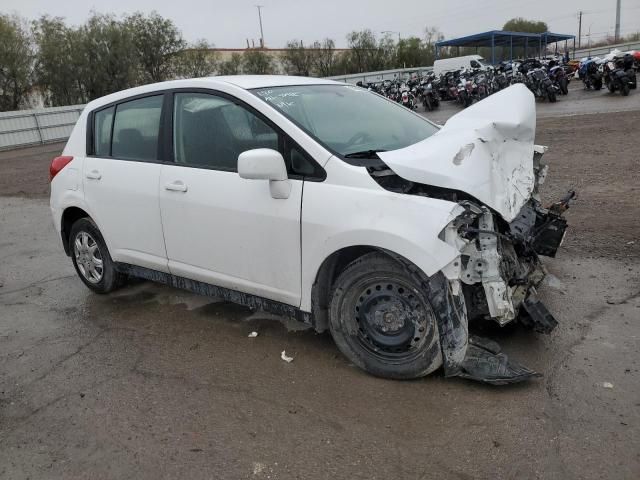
[[359, 138]]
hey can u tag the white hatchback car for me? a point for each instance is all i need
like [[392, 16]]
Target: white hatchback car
[[321, 201]]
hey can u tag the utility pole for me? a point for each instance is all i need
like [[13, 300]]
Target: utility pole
[[579, 28], [392, 31], [260, 7], [618, 20]]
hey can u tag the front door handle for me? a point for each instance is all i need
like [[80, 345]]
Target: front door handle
[[94, 175], [177, 186]]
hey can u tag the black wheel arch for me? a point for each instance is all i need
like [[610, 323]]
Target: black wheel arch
[[70, 216], [331, 267]]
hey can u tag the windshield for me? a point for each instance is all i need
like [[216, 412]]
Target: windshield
[[348, 120]]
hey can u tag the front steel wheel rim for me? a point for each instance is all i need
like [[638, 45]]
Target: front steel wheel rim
[[88, 257], [393, 321]]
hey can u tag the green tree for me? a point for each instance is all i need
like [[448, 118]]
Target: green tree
[[107, 58], [157, 40], [16, 62], [231, 66], [520, 24], [411, 53], [296, 59], [199, 60], [367, 53], [59, 52], [256, 61]]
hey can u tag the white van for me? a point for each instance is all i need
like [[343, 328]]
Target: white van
[[450, 64]]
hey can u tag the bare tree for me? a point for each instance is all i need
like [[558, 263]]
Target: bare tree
[[231, 66], [199, 60], [256, 61], [296, 59], [324, 57]]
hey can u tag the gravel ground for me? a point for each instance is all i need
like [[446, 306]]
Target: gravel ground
[[152, 382]]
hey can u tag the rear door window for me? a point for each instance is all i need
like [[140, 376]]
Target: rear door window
[[136, 129]]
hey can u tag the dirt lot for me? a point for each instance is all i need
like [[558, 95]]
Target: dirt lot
[[152, 382]]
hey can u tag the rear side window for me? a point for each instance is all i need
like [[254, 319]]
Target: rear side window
[[136, 128], [102, 122]]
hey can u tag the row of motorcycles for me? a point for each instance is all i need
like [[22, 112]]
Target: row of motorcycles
[[616, 71], [546, 79]]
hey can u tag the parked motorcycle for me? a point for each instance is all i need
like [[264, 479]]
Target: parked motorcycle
[[591, 74], [537, 80], [407, 98], [558, 76], [428, 94], [619, 75], [480, 85]]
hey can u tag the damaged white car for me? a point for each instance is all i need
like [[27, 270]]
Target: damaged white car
[[324, 202]]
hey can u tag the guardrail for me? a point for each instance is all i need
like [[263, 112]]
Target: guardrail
[[378, 76], [599, 51], [36, 127]]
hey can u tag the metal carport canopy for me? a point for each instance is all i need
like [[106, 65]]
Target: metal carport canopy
[[502, 38]]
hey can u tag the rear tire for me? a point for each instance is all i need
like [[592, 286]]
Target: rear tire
[[597, 85], [564, 86], [551, 95], [91, 258], [381, 318], [624, 89]]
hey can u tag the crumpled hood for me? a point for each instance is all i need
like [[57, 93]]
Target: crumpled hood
[[485, 150]]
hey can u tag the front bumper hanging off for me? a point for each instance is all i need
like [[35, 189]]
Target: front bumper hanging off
[[497, 273]]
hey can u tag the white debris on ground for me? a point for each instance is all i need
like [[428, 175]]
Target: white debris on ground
[[253, 335], [606, 385], [286, 358]]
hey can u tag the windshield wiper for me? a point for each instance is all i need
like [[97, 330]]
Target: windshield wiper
[[364, 154]]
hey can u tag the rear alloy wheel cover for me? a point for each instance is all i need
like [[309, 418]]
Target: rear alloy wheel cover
[[88, 257], [393, 322]]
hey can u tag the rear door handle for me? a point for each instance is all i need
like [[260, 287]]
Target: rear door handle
[[177, 186], [94, 175]]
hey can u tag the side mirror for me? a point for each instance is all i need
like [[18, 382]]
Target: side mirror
[[265, 164]]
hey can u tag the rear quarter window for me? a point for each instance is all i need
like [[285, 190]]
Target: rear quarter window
[[102, 123]]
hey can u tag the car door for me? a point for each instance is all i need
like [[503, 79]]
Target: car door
[[220, 228], [120, 179]]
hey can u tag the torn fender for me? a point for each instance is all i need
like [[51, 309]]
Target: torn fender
[[485, 151]]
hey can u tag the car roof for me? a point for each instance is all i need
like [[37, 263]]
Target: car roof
[[266, 81], [245, 82]]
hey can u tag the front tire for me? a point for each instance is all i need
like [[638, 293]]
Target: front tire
[[551, 95], [91, 258], [381, 318]]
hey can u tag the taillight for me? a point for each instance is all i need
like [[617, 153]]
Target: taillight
[[58, 164]]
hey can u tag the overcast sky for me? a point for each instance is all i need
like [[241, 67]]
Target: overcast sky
[[229, 23]]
